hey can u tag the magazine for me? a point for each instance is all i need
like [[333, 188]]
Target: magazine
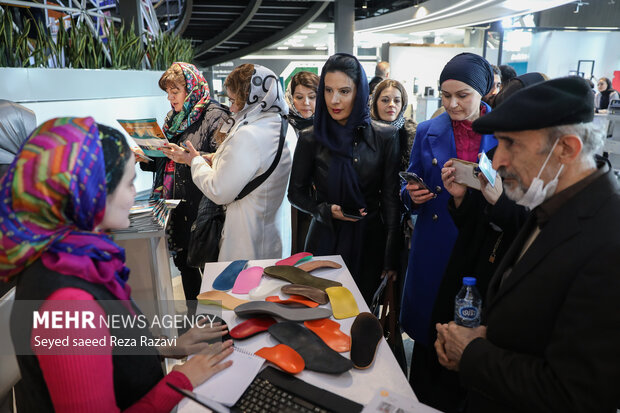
[[147, 134]]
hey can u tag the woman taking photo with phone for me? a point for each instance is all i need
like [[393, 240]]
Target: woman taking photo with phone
[[353, 164], [464, 80]]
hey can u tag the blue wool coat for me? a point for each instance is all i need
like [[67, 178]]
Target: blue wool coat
[[434, 233]]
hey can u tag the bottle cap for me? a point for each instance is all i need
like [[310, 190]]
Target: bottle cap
[[469, 281]]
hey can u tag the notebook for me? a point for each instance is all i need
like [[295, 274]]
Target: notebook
[[227, 386]]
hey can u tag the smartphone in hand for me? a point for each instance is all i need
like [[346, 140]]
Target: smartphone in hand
[[412, 178], [352, 213]]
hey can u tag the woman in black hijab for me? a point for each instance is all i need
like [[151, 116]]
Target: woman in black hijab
[[353, 164], [605, 95]]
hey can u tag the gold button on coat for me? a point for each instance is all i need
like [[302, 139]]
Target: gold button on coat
[[438, 189], [434, 161], [435, 217]]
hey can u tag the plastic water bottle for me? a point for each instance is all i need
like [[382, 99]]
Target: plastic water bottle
[[468, 304]]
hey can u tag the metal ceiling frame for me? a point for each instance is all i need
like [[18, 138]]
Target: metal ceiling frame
[[234, 28], [308, 16]]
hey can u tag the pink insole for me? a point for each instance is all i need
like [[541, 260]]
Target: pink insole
[[247, 279]]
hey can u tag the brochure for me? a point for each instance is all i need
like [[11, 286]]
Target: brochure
[[147, 134]]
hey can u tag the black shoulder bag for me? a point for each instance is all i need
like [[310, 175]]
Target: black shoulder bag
[[206, 231]]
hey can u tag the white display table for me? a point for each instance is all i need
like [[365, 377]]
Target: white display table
[[358, 385]]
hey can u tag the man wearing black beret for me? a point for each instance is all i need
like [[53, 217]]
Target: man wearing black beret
[[550, 339]]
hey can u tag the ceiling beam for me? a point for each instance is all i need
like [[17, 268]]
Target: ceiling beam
[[309, 16], [187, 14], [232, 30]]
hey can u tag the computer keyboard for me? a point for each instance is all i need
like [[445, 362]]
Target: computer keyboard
[[275, 391]]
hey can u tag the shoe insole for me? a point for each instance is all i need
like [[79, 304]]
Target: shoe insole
[[312, 293], [366, 334], [251, 327], [293, 300], [267, 287], [329, 331], [296, 276], [226, 279], [247, 279], [315, 265], [342, 301], [295, 259], [253, 308], [220, 298], [284, 357], [316, 354]]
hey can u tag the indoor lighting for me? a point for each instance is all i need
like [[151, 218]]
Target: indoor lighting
[[364, 5], [321, 48], [308, 31], [282, 47], [317, 26]]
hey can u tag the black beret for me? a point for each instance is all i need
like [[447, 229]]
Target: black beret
[[562, 101]]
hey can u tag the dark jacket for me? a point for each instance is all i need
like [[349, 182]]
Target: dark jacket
[[553, 325], [485, 234], [406, 135], [200, 134], [376, 161]]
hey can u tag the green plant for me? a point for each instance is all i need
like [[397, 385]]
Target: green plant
[[126, 48], [167, 48], [75, 46], [15, 51]]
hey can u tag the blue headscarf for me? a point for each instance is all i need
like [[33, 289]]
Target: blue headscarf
[[470, 69], [344, 188]]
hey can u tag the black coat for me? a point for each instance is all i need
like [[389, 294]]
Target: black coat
[[485, 234], [376, 160], [200, 134], [553, 326]]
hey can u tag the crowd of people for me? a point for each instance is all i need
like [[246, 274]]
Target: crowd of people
[[542, 240]]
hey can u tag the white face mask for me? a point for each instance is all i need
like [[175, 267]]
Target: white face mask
[[537, 193]]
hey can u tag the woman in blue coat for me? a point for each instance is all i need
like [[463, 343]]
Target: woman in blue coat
[[464, 80]]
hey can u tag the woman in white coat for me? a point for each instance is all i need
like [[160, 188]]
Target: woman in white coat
[[248, 144]]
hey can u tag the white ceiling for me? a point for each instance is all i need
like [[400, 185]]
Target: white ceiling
[[443, 14]]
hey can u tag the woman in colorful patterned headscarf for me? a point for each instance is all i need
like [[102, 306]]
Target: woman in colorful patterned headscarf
[[253, 225], [72, 181], [194, 117]]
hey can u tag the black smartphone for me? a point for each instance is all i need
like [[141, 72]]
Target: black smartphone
[[352, 213], [412, 178]]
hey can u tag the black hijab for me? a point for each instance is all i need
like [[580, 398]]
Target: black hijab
[[343, 182], [344, 188]]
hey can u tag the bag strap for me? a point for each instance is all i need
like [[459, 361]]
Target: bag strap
[[256, 182]]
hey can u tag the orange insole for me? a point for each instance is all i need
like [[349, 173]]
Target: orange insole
[[284, 357], [293, 299], [330, 333]]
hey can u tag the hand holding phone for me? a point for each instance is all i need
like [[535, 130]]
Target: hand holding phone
[[352, 213], [413, 179]]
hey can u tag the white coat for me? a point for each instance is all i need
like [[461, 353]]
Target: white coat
[[254, 225]]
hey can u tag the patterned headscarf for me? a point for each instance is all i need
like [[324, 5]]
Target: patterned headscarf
[[197, 99], [53, 197], [266, 95]]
